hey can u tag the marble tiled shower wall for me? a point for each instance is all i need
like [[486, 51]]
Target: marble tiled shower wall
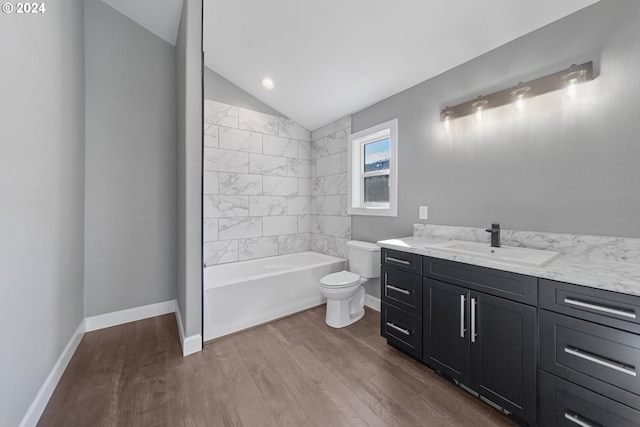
[[330, 224], [257, 186]]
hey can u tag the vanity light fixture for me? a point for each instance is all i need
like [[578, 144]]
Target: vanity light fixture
[[267, 83], [519, 94]]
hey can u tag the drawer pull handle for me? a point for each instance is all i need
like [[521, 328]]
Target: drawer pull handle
[[629, 370], [402, 291], [473, 320], [397, 261], [398, 328], [604, 309], [463, 300], [581, 421]]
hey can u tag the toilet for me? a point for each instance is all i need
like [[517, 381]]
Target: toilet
[[344, 290]]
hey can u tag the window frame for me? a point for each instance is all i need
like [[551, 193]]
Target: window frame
[[356, 143]]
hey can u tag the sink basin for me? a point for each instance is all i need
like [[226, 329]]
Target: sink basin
[[507, 254]]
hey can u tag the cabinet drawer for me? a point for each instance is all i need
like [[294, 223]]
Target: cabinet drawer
[[565, 404], [402, 260], [598, 305], [513, 286], [603, 359], [402, 289], [402, 330]]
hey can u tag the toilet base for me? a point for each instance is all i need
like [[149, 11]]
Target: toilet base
[[342, 313]]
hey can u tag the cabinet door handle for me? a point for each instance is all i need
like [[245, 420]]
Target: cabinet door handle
[[398, 328], [397, 261], [602, 308], [581, 421], [463, 299], [629, 370], [401, 290], [473, 320]]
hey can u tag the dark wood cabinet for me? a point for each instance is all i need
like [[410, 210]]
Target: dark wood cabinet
[[563, 403], [503, 354], [401, 296], [483, 342], [446, 329]]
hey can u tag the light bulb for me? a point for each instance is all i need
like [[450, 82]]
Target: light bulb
[[446, 123], [267, 84], [479, 114], [571, 88]]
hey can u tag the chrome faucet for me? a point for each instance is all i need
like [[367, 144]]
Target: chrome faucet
[[495, 234]]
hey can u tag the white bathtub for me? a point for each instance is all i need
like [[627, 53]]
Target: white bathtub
[[247, 293]]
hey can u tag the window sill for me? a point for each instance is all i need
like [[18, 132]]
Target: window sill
[[373, 211]]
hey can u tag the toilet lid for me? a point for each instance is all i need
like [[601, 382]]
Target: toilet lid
[[340, 279]]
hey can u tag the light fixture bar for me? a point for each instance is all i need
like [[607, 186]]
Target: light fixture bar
[[569, 77]]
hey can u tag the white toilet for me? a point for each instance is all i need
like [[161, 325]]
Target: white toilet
[[344, 290]]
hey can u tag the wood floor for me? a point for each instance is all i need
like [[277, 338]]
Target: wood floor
[[293, 372]]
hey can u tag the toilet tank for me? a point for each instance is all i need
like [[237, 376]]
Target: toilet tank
[[364, 258]]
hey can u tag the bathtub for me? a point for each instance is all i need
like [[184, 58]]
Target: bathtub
[[247, 293]]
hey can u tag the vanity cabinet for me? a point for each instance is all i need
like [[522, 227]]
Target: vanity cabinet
[[589, 349], [486, 340], [401, 297]]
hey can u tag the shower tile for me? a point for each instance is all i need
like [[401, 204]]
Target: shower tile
[[329, 205], [239, 228], [304, 187], [220, 114], [278, 146], [299, 167], [267, 205], [240, 184], [304, 223], [258, 122], [225, 206], [277, 225], [220, 252], [329, 165], [280, 186], [210, 182], [294, 243], [338, 226], [210, 229], [210, 135], [240, 140], [324, 244], [331, 128], [290, 129], [317, 224], [336, 143], [267, 165], [298, 205], [257, 248], [304, 150], [335, 184], [216, 159]]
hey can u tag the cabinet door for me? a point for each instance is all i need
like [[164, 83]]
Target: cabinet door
[[446, 329], [503, 353]]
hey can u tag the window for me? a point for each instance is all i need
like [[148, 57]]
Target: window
[[373, 173]]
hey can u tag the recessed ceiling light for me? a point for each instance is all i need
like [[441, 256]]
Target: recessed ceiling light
[[267, 83]]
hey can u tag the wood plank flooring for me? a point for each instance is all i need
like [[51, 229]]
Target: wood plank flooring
[[293, 372]]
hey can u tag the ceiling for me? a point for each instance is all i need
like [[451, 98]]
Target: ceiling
[[331, 58], [161, 17]]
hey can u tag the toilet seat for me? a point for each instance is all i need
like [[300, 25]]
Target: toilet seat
[[341, 279]]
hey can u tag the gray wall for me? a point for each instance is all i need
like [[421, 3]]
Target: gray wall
[[130, 228], [220, 89], [188, 67], [566, 168], [41, 193]]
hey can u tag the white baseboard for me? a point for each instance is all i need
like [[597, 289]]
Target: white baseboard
[[192, 344], [372, 302], [115, 318], [38, 405]]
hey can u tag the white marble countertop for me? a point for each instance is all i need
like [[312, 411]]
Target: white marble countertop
[[617, 276]]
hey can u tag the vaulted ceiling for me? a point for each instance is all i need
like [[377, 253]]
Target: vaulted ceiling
[[331, 58]]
